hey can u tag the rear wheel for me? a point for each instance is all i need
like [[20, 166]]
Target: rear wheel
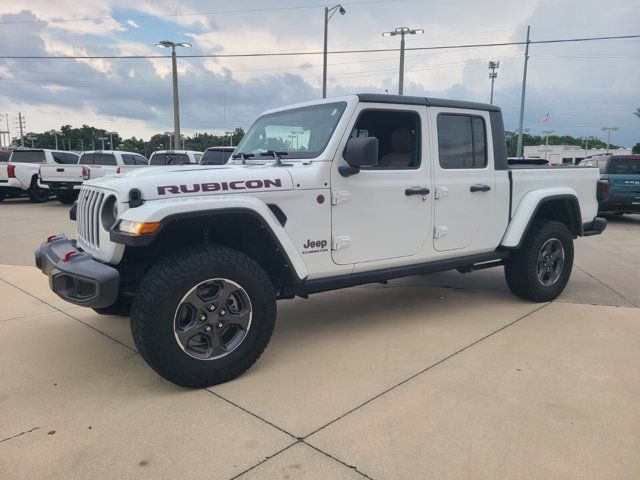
[[36, 193], [203, 316], [67, 197], [540, 269]]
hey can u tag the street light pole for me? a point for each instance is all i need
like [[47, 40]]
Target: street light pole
[[402, 31], [176, 103], [524, 88], [493, 74], [111, 134], [102, 139], [328, 13], [546, 142], [608, 130]]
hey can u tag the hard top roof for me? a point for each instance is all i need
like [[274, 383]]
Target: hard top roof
[[429, 102]]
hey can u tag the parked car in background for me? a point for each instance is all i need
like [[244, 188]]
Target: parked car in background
[[174, 157], [20, 174], [620, 182], [217, 155], [66, 181], [4, 155]]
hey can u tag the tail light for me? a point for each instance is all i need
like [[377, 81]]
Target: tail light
[[603, 189], [11, 171], [118, 170], [86, 173]]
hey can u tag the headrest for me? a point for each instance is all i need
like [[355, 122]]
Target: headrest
[[402, 140]]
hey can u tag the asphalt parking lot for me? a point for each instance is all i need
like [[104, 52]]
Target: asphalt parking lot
[[441, 376]]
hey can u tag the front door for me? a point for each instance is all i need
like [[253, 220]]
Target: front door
[[384, 212], [465, 185]]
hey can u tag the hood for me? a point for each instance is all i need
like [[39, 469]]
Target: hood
[[194, 180]]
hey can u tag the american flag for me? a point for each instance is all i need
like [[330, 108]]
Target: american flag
[[544, 118]]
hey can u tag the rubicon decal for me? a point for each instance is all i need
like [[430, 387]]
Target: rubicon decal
[[315, 246], [219, 186]]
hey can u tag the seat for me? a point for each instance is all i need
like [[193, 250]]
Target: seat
[[402, 150]]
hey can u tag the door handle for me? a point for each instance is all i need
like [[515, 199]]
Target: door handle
[[417, 191], [479, 188]]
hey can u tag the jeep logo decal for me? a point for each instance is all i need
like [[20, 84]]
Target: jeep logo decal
[[314, 246], [219, 186]]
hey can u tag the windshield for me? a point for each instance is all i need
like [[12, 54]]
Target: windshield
[[169, 159], [625, 165], [28, 156], [215, 157], [301, 132]]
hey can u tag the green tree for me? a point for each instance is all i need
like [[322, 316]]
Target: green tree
[[636, 149]]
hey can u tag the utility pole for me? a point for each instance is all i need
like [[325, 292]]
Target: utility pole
[[230, 135], [493, 74], [609, 130], [102, 139], [31, 139], [81, 145], [168, 134], [546, 143], [524, 88], [402, 31], [21, 125], [328, 13], [111, 134]]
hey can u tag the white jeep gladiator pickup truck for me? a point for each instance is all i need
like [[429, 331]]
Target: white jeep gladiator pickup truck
[[66, 181], [20, 174], [370, 188]]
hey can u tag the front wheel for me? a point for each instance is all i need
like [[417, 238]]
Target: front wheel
[[203, 316], [540, 269]]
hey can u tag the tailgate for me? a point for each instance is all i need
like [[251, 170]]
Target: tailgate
[[3, 171], [61, 173], [97, 171], [625, 185]]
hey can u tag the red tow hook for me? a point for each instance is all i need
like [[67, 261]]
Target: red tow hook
[[68, 255]]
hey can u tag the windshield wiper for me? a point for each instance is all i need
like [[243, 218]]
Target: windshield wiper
[[276, 156], [242, 156]]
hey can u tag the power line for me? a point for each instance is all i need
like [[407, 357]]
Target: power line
[[190, 14], [334, 52]]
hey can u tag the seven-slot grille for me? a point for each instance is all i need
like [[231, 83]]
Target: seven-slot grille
[[88, 216]]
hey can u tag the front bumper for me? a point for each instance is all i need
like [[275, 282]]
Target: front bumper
[[596, 227], [75, 276]]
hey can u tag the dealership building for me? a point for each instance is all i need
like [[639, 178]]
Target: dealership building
[[557, 154]]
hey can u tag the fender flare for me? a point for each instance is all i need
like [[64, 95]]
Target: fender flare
[[528, 208], [170, 211]]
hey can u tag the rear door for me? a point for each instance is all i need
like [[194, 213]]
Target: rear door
[[464, 179], [624, 175]]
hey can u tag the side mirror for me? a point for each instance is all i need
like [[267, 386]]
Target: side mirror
[[360, 152]]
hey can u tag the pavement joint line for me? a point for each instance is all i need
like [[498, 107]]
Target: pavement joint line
[[351, 467], [265, 460], [19, 434], [26, 233], [23, 316], [433, 365], [69, 315], [606, 285], [255, 415]]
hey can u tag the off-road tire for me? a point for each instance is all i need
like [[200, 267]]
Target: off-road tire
[[37, 194], [67, 197], [521, 267], [2, 196], [163, 288]]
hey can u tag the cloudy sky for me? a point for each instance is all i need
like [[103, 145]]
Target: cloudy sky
[[583, 86]]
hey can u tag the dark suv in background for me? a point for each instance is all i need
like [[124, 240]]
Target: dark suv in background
[[619, 188]]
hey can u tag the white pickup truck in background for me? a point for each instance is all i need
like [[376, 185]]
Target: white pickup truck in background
[[170, 158], [20, 174], [66, 181]]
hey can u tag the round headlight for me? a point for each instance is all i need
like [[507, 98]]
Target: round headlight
[[109, 213]]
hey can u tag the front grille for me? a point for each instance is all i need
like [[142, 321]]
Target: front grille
[[88, 216]]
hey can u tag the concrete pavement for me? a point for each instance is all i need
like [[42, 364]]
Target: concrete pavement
[[441, 376]]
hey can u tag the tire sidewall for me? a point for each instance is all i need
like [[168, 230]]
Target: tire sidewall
[[549, 231], [262, 305], [37, 194]]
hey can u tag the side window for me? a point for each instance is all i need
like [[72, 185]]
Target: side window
[[462, 141], [158, 159], [140, 160], [104, 159], [128, 159], [398, 134], [197, 157], [86, 159]]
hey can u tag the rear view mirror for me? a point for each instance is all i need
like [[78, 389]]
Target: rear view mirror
[[360, 152]]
